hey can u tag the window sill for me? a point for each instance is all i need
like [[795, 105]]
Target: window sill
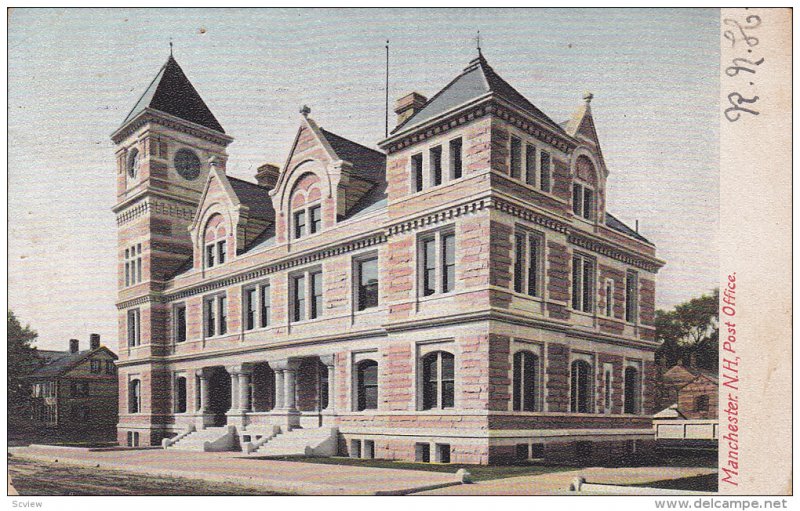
[[436, 295], [532, 298], [582, 313], [305, 321]]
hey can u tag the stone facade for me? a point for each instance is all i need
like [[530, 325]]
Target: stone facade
[[475, 264]]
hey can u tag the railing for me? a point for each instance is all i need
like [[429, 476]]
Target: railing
[[167, 442], [686, 429], [250, 447]]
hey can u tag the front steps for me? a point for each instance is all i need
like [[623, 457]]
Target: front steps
[[207, 440], [297, 442]]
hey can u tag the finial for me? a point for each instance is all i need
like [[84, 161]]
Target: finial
[[170, 47], [587, 96], [478, 42], [305, 111]]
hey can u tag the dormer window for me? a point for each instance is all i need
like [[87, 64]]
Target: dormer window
[[216, 245], [583, 201]]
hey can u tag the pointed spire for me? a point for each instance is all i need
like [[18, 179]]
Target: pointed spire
[[305, 111], [478, 43], [170, 47], [171, 92]]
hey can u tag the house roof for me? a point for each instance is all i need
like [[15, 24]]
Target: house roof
[[614, 223], [58, 365], [477, 79], [255, 197], [171, 92], [369, 164]]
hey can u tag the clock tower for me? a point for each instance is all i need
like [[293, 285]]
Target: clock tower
[[163, 150]]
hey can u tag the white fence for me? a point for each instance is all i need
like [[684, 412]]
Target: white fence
[[686, 429]]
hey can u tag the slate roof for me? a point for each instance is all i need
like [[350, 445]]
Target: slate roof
[[253, 196], [58, 365], [171, 92], [369, 164], [477, 79], [613, 223]]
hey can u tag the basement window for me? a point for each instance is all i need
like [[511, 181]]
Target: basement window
[[422, 452]]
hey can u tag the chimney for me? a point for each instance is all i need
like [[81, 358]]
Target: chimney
[[409, 105], [94, 341], [73, 345], [267, 175], [693, 359]]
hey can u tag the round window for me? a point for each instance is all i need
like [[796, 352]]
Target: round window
[[187, 164], [133, 163]]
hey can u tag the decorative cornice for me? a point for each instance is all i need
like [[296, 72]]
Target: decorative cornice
[[529, 215], [438, 216], [149, 115], [517, 119], [157, 207], [612, 252]]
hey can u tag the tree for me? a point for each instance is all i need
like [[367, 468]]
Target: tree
[[22, 359], [691, 328]]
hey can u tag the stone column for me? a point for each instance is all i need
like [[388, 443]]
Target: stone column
[[289, 391], [234, 372], [203, 390], [330, 364], [278, 389], [244, 390]]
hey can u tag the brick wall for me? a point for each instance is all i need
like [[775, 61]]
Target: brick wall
[[558, 279], [499, 372], [396, 392], [557, 377], [688, 394]]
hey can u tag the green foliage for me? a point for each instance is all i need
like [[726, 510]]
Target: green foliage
[[22, 359], [691, 328]]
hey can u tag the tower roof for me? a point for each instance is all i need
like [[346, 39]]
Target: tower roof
[[171, 92], [477, 79]]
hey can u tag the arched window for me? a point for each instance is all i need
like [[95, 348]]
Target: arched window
[[701, 403], [306, 206], [215, 243], [526, 381], [180, 394], [631, 390], [438, 380], [134, 396], [367, 383], [133, 163], [581, 394]]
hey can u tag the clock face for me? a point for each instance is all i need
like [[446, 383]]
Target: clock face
[[133, 163], [187, 164]]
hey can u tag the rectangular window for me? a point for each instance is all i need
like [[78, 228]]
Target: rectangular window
[[448, 262], [588, 204], [221, 248], [110, 369], [519, 262], [209, 256], [315, 215], [316, 294], [299, 224], [211, 317], [265, 305], [544, 171], [455, 159], [355, 448], [631, 298], [180, 394], [416, 171], [428, 267], [133, 328], [582, 284], [180, 323], [577, 199], [530, 164], [516, 157], [367, 283], [534, 264], [299, 290], [96, 366], [443, 453], [223, 315], [609, 299], [436, 165], [127, 269], [422, 452], [250, 308]]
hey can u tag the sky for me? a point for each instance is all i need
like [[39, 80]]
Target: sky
[[75, 74]]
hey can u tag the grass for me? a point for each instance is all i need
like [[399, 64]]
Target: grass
[[478, 472], [36, 478], [707, 482]]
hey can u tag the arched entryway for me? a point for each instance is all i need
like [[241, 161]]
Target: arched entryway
[[219, 399]]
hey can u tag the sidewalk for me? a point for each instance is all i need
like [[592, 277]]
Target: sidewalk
[[279, 476], [557, 483]]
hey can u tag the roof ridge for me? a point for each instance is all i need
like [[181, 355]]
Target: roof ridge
[[328, 132]]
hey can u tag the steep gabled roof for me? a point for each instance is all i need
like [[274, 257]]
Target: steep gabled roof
[[255, 197], [477, 79], [59, 365], [368, 163], [615, 224], [171, 92]]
